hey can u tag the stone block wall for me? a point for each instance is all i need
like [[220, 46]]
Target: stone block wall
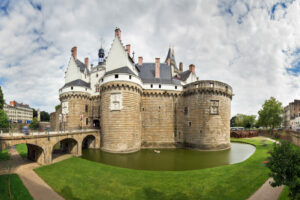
[[121, 128], [158, 119]]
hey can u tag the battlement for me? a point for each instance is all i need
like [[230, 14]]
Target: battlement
[[208, 86]]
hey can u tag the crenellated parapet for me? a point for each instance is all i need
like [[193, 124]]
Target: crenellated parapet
[[74, 95], [161, 93], [208, 87], [121, 85]]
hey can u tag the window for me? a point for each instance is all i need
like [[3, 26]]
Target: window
[[129, 76], [151, 85], [190, 124], [72, 88], [115, 101], [143, 109], [85, 89], [186, 110], [101, 80], [116, 75], [96, 75], [86, 121], [211, 85], [159, 85], [214, 107], [175, 87], [86, 108]]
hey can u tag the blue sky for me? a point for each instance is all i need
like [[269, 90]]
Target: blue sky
[[252, 45]]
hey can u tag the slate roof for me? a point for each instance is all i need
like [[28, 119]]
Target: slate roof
[[122, 70], [147, 74], [184, 75], [77, 82], [81, 66]]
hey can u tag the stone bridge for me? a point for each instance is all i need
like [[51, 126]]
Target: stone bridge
[[40, 147]]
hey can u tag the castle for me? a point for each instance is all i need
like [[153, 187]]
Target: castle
[[143, 105]]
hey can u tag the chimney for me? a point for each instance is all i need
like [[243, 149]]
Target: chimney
[[74, 52], [128, 48], [118, 33], [192, 68], [157, 67], [140, 63], [86, 62], [197, 78], [180, 67], [12, 103], [169, 61]]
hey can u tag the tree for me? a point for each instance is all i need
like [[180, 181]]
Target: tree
[[57, 107], [1, 99], [232, 121], [34, 113], [246, 121], [45, 116], [284, 164], [270, 114], [4, 123], [34, 124]]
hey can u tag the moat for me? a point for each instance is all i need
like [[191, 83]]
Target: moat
[[172, 159]]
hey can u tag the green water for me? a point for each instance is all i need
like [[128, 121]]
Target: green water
[[172, 159]]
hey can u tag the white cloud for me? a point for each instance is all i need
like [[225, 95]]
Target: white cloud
[[239, 42]]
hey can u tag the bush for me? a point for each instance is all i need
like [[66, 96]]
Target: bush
[[34, 124], [284, 164]]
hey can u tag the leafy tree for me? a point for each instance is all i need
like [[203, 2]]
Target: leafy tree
[[1, 99], [284, 164], [270, 114], [4, 123], [57, 107], [232, 121], [45, 116], [246, 121], [34, 113], [34, 124]]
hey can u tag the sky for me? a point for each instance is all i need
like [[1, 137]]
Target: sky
[[252, 45]]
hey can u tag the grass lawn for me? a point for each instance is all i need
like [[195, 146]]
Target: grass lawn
[[77, 178], [4, 155], [284, 194], [17, 189], [22, 150]]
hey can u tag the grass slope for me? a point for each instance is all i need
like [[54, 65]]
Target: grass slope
[[22, 150], [77, 178], [4, 155], [17, 189]]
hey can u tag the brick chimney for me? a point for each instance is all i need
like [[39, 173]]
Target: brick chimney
[[192, 68], [157, 67], [181, 67], [128, 48], [74, 52], [12, 103], [86, 62], [118, 33], [140, 61]]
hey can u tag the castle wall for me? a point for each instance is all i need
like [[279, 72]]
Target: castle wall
[[120, 117], [77, 102], [158, 119], [206, 107]]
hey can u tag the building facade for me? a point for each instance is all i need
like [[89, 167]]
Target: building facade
[[291, 114], [18, 112], [143, 104]]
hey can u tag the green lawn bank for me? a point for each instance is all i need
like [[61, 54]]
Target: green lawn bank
[[77, 178]]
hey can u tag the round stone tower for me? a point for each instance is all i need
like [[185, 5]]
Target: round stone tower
[[206, 108], [120, 113]]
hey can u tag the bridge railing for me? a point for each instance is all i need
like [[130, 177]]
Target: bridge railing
[[29, 131]]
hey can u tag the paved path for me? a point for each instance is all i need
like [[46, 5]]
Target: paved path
[[38, 189], [266, 191]]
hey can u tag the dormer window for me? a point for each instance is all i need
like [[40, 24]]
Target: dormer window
[[159, 85], [72, 88], [175, 87], [129, 76], [116, 75], [211, 85], [151, 85]]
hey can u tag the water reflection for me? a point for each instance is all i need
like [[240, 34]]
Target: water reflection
[[172, 159]]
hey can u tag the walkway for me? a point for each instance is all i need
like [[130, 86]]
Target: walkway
[[36, 186], [266, 191]]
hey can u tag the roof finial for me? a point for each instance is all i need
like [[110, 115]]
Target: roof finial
[[102, 42]]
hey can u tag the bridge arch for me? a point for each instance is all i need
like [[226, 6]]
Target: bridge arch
[[67, 146], [88, 142], [35, 153]]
